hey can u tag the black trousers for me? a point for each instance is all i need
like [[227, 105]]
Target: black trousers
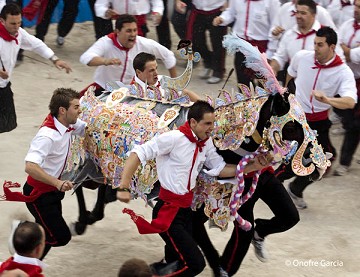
[[102, 26], [350, 120], [47, 211], [299, 184], [214, 59], [7, 109], [163, 29], [180, 244], [66, 22], [273, 193]]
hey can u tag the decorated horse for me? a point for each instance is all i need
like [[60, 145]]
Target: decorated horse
[[257, 119]]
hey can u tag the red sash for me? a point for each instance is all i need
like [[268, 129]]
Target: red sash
[[35, 8], [172, 201], [39, 187]]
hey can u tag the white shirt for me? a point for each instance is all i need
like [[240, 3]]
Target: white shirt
[[133, 7], [208, 5], [253, 19], [351, 38], [9, 51], [332, 81], [49, 148], [124, 73], [27, 260], [285, 19], [339, 13], [174, 154], [2, 4], [290, 44]]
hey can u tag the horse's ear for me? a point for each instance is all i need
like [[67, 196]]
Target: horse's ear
[[291, 86]]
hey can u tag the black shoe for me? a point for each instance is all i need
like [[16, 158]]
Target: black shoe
[[161, 268]]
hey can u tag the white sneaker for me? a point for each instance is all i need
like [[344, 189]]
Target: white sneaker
[[205, 74], [260, 251], [214, 80], [223, 273], [341, 170], [60, 41], [338, 131], [14, 224], [299, 202]]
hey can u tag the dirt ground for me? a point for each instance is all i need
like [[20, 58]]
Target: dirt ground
[[326, 241]]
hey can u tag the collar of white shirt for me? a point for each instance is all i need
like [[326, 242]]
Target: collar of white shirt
[[61, 128], [27, 260]]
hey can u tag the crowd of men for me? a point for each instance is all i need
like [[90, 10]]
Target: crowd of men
[[312, 45]]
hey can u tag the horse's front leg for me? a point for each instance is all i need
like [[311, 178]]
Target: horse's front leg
[[79, 227], [98, 212]]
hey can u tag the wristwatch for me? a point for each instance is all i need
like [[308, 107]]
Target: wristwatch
[[54, 59]]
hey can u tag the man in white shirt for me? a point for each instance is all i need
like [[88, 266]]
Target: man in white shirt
[[252, 22], [349, 37], [286, 19], [12, 39], [147, 78], [341, 11], [29, 243], [299, 37], [111, 9], [320, 76], [200, 20], [180, 155], [113, 54], [44, 164]]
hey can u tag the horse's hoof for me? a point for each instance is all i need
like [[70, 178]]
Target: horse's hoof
[[77, 228]]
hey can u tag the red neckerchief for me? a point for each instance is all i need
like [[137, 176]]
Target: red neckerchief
[[306, 35], [113, 37], [186, 130], [49, 122], [30, 269], [336, 62], [5, 35]]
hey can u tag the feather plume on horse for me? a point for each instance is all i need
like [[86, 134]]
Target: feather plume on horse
[[254, 60]]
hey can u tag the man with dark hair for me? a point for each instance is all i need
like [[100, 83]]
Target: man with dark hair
[[180, 155], [145, 66], [322, 81], [12, 39], [29, 244], [44, 164], [135, 268], [114, 53]]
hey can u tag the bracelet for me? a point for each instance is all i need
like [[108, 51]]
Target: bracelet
[[62, 185], [54, 59], [123, 189]]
